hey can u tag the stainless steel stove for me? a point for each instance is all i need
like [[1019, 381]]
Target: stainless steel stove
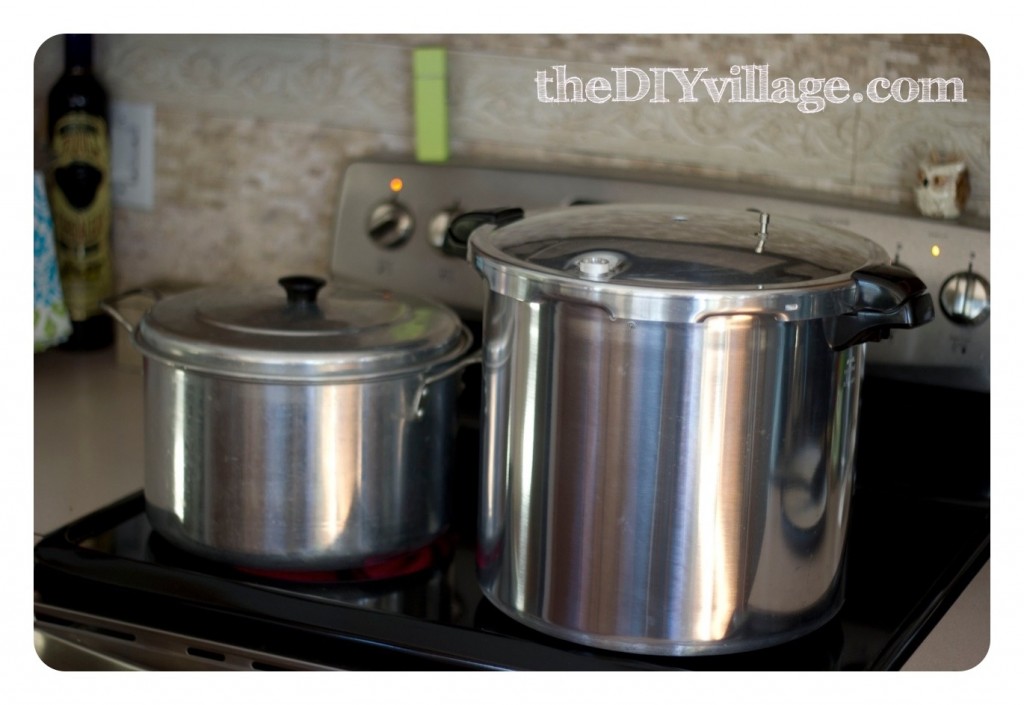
[[108, 585]]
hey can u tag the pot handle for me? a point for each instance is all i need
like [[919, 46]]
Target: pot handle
[[456, 237], [461, 364], [108, 305], [888, 296], [416, 408]]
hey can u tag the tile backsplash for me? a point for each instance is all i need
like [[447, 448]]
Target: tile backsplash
[[253, 133]]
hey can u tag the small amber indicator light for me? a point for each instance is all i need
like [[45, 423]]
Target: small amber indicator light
[[396, 185]]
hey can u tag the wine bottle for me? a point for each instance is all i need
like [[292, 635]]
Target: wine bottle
[[80, 194]]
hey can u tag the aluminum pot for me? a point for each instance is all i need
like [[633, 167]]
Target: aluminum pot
[[670, 414], [295, 429]]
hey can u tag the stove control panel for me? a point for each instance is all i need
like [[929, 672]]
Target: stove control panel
[[391, 219]]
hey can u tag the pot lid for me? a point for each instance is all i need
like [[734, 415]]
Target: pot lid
[[296, 332], [661, 262]]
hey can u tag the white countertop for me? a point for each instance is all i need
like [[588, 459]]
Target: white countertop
[[89, 453]]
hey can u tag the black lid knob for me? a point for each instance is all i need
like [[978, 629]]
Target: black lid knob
[[301, 289]]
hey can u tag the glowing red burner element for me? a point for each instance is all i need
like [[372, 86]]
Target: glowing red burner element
[[382, 568]]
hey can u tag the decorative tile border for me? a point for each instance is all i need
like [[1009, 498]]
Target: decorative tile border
[[494, 100]]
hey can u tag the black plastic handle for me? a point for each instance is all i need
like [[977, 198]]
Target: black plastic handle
[[301, 289], [456, 237], [888, 296]]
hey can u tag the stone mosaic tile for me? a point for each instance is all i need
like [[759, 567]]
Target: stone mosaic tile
[[239, 199]]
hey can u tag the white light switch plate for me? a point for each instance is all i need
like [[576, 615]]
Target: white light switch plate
[[131, 154]]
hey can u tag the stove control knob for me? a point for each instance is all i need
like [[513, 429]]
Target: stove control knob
[[964, 298], [390, 224], [438, 225]]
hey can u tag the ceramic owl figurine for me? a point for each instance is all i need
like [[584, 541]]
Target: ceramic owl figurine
[[942, 188]]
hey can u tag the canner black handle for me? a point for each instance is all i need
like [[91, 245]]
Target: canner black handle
[[456, 238], [888, 296]]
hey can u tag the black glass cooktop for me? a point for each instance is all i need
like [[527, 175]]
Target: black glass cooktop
[[919, 532]]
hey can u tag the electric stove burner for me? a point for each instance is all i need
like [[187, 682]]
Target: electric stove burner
[[389, 567], [377, 569]]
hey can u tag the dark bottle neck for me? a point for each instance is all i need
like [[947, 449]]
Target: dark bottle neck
[[78, 53]]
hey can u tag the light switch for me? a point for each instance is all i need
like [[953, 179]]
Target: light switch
[[131, 154]]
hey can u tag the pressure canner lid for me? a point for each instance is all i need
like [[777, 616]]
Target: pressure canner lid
[[659, 262]]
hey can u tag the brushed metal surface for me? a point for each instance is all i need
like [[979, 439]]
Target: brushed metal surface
[[297, 476], [664, 488]]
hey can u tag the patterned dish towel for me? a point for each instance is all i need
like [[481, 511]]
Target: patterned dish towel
[[51, 315]]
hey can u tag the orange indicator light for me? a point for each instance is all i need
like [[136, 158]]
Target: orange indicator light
[[396, 185]]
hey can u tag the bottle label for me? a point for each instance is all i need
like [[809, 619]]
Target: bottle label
[[80, 199]]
